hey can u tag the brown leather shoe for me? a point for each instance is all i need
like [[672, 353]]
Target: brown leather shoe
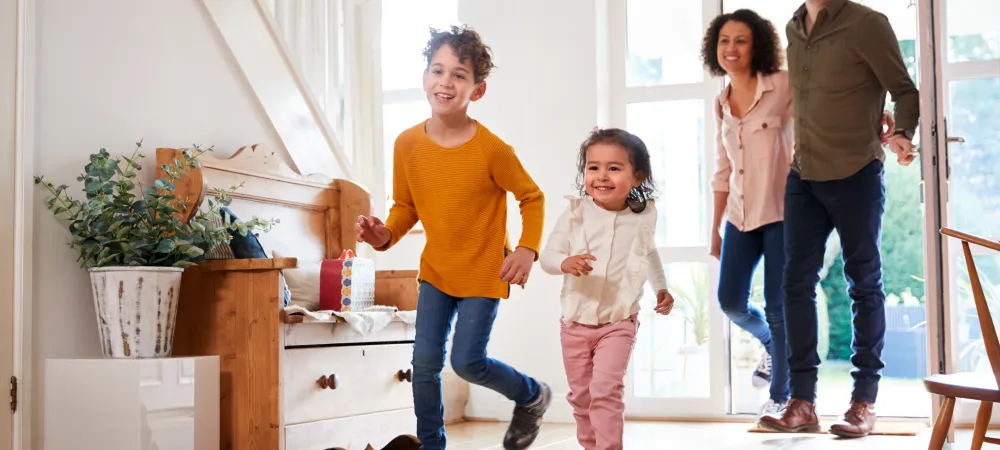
[[799, 416], [857, 422]]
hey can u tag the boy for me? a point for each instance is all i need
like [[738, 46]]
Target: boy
[[456, 174]]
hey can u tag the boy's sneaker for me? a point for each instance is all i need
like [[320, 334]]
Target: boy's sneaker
[[762, 375], [526, 421], [771, 407]]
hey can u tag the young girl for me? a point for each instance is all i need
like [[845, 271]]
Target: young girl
[[604, 245]]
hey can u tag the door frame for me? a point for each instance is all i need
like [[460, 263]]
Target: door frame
[[21, 209], [935, 284], [945, 72]]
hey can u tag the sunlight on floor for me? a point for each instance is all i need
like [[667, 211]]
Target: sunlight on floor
[[700, 436]]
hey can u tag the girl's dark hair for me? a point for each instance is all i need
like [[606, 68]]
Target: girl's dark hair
[[638, 156], [767, 54]]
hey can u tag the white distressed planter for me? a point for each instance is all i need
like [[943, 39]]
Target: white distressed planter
[[136, 310]]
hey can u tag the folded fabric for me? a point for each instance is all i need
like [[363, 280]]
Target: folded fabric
[[371, 320]]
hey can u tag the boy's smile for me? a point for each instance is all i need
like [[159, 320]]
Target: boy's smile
[[450, 83]]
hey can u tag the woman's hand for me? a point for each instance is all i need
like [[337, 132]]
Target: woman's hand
[[716, 249], [888, 127]]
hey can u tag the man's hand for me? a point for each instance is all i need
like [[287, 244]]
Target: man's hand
[[517, 266], [904, 149], [371, 230], [664, 302], [577, 265], [888, 127]]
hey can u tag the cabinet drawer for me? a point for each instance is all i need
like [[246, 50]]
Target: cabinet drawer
[[351, 433], [365, 381]]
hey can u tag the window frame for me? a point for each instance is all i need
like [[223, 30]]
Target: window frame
[[621, 95]]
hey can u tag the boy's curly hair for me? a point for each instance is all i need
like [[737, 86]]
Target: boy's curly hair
[[767, 54], [467, 44]]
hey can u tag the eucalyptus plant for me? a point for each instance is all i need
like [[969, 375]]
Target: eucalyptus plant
[[121, 223]]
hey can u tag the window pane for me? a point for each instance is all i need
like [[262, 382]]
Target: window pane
[[673, 132], [671, 357], [973, 34], [405, 30], [974, 197], [396, 118], [664, 42]]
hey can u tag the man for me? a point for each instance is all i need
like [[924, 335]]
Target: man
[[842, 58]]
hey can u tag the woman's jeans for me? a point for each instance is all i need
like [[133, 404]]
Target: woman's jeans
[[741, 251]]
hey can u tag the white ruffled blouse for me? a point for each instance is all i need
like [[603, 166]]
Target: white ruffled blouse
[[623, 243]]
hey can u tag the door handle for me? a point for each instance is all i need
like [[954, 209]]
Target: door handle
[[956, 140]]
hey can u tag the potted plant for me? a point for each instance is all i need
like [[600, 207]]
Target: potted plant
[[134, 243]]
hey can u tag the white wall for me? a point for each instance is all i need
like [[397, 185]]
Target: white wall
[[110, 72]]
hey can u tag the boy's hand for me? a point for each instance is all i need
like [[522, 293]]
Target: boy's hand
[[664, 302], [517, 266], [577, 265], [371, 230]]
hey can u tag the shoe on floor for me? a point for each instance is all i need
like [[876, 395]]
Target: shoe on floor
[[769, 408], [857, 422], [798, 416], [762, 375], [527, 420]]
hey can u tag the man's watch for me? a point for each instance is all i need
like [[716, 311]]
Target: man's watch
[[901, 132]]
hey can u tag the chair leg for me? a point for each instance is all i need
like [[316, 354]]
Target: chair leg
[[982, 422], [940, 433]]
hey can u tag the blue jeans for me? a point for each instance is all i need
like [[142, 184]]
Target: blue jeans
[[813, 209], [741, 252], [435, 311]]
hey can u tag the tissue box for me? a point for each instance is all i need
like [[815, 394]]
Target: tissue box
[[347, 283]]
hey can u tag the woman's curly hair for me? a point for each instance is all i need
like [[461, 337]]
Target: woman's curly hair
[[767, 54], [467, 44]]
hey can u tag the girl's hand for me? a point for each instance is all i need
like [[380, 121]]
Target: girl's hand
[[716, 249], [517, 266], [577, 265], [371, 230], [664, 302]]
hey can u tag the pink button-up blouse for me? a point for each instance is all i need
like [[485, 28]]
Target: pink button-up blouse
[[754, 153]]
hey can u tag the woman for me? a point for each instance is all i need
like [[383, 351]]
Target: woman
[[754, 139]]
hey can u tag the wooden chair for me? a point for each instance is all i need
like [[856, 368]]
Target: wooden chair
[[972, 386]]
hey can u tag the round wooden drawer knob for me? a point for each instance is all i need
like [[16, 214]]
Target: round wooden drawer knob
[[405, 376], [328, 382]]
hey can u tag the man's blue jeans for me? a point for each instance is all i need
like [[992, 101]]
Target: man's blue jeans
[[741, 252], [813, 209], [435, 311]]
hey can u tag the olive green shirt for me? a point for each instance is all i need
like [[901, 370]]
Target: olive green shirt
[[840, 73]]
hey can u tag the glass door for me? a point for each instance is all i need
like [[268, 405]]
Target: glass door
[[660, 92], [969, 116]]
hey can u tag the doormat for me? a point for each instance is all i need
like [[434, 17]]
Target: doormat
[[887, 428]]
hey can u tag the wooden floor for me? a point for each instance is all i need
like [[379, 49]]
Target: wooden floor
[[697, 436]]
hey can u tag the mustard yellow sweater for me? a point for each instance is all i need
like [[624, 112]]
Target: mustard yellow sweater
[[460, 196]]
